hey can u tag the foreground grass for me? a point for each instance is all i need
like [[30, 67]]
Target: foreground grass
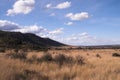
[[104, 68]]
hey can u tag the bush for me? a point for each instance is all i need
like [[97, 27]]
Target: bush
[[19, 55], [69, 59], [60, 59], [27, 75], [116, 55], [97, 55], [46, 57], [88, 54], [32, 59], [80, 60], [2, 50]]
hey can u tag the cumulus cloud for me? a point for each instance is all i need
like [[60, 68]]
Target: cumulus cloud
[[84, 34], [48, 5], [63, 5], [31, 29], [69, 23], [78, 16], [54, 34], [74, 39], [12, 26], [86, 39], [8, 25], [38, 30], [57, 31], [52, 14], [21, 7]]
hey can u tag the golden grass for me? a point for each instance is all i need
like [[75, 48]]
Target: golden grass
[[104, 68]]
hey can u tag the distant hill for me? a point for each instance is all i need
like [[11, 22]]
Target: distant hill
[[17, 40], [101, 47]]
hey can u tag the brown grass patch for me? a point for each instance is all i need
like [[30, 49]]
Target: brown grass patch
[[106, 68]]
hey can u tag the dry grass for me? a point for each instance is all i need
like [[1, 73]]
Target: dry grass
[[105, 68]]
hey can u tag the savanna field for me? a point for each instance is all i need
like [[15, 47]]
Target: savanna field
[[83, 64], [59, 39]]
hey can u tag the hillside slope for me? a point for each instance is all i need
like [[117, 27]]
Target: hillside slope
[[19, 40]]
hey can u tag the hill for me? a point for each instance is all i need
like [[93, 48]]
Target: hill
[[17, 40]]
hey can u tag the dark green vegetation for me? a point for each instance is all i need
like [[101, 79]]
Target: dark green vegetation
[[27, 41]]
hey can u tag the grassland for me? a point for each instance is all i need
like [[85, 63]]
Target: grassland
[[99, 64]]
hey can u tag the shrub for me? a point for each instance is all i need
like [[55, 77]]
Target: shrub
[[88, 54], [60, 59], [2, 50], [27, 75], [116, 55], [19, 55], [32, 59], [97, 55], [46, 57], [69, 59], [80, 60]]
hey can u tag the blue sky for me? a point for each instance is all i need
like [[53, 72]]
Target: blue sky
[[75, 22]]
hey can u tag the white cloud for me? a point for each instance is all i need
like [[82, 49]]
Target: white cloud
[[11, 26], [69, 23], [83, 34], [21, 7], [74, 39], [63, 5], [86, 39], [38, 30], [31, 29], [8, 25], [52, 14], [56, 32], [77, 16], [48, 5]]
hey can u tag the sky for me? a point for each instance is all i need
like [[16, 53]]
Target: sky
[[73, 22]]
